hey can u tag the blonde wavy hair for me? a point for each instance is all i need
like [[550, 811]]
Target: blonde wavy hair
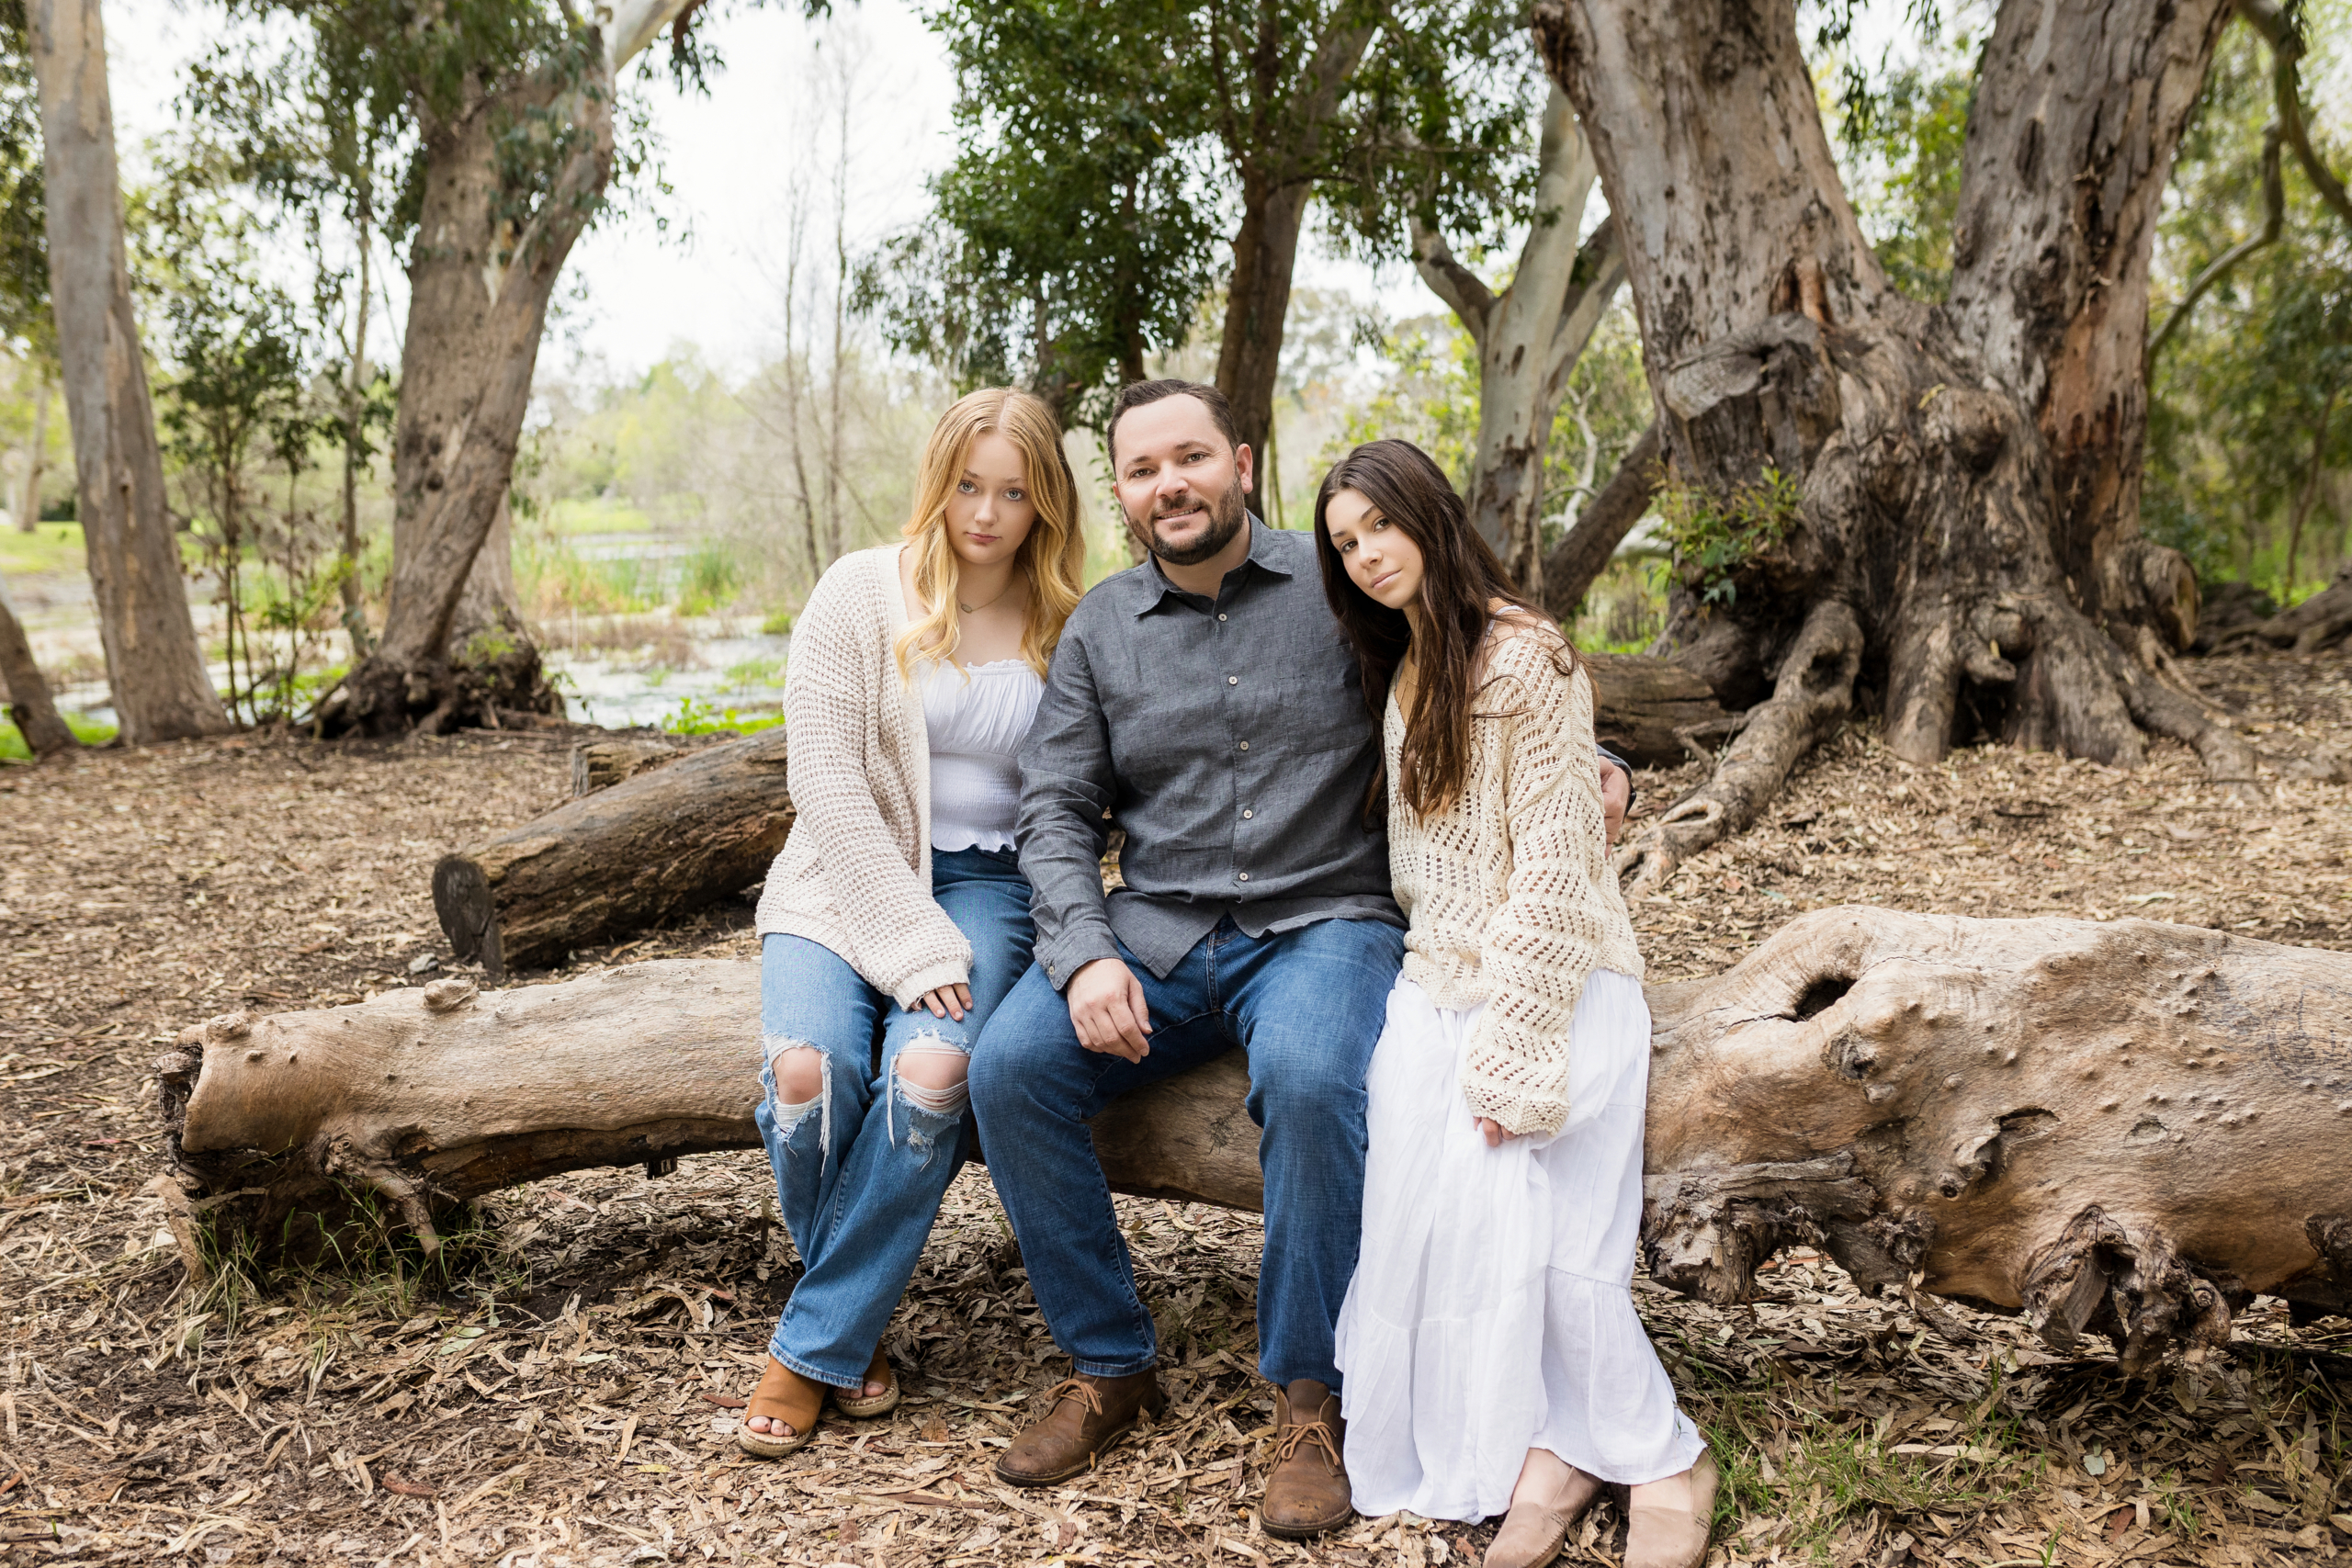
[[1053, 555]]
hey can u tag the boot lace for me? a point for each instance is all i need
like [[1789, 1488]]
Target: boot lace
[[1286, 1446], [1078, 1389]]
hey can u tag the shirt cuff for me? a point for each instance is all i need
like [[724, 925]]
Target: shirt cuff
[[1066, 955]]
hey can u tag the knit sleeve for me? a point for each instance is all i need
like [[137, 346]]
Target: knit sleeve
[[830, 693], [1540, 946]]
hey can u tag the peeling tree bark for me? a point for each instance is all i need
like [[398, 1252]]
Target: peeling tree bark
[[2124, 1128], [1947, 464]]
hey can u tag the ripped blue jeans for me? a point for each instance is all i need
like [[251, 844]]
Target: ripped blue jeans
[[861, 1163]]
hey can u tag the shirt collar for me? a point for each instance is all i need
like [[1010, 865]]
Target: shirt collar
[[1264, 554]]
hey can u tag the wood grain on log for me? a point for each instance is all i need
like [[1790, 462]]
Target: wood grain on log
[[1653, 712], [2124, 1128], [600, 764], [649, 849]]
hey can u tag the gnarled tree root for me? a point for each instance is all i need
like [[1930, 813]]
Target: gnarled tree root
[[2124, 1128]]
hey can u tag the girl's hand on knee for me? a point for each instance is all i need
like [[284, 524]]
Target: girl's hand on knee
[[1494, 1132], [946, 1001]]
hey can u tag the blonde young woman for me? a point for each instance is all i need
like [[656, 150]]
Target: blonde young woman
[[896, 918], [1493, 1361]]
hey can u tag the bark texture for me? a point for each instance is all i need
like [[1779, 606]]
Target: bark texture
[[2318, 622], [2124, 1128], [153, 662], [1653, 712], [479, 285], [30, 706], [1902, 505], [1529, 336], [655, 846]]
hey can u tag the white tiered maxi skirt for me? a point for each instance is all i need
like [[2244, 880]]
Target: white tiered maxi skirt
[[1492, 1309]]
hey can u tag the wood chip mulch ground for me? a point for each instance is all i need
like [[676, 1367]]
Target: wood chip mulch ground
[[562, 1393]]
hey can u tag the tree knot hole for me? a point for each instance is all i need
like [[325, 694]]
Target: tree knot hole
[[1822, 993]]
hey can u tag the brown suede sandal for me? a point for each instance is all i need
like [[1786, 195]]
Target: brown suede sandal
[[850, 1400], [783, 1395]]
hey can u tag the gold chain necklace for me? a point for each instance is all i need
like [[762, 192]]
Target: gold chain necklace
[[976, 609]]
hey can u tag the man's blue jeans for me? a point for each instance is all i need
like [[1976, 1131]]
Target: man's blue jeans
[[861, 1168], [1308, 1004]]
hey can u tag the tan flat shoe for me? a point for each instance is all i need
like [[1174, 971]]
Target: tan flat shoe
[[783, 1395], [1533, 1533], [851, 1402], [1668, 1538]]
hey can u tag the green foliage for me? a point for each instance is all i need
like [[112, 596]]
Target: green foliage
[[552, 579], [694, 717], [88, 730], [778, 623], [1429, 397], [1101, 146], [52, 547], [24, 211], [1715, 535], [1902, 140], [709, 579], [2249, 436]]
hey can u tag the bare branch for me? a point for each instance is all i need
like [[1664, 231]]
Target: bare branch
[[2269, 20], [2273, 201], [1463, 293]]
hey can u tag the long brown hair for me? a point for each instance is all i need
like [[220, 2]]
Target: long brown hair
[[1054, 555], [1461, 582]]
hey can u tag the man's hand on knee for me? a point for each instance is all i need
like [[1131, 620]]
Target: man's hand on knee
[[1106, 1007], [1616, 793]]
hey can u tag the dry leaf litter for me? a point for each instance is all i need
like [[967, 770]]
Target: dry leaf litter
[[564, 1392]]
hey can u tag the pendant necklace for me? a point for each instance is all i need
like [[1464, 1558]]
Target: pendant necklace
[[976, 609]]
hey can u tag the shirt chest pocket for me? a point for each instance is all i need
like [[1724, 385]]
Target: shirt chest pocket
[[1311, 711]]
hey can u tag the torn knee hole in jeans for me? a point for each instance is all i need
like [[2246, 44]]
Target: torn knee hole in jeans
[[790, 1114], [934, 1111]]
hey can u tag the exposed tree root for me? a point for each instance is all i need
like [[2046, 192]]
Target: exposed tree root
[[2119, 1128]]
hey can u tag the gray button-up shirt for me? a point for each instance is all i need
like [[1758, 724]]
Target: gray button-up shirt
[[1231, 741]]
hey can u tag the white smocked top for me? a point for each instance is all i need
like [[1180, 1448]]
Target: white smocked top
[[974, 718]]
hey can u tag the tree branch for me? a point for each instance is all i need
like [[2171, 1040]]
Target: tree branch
[[1577, 560], [1469, 298], [1600, 263], [2269, 20], [2274, 200], [633, 25]]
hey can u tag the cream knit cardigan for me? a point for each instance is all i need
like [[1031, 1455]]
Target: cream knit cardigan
[[1507, 893], [855, 874]]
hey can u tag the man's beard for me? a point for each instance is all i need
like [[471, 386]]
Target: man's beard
[[1227, 515]]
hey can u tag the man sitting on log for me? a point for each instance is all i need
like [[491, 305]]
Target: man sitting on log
[[1205, 703]]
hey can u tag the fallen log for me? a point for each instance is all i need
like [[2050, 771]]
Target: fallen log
[[661, 827], [2125, 1128], [661, 844]]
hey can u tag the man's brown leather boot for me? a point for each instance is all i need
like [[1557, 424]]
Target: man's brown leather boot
[[1086, 1417], [1306, 1492]]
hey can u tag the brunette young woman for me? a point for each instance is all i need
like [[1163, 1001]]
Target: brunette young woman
[[1493, 1361], [896, 918]]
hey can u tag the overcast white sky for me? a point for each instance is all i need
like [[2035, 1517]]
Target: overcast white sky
[[728, 156]]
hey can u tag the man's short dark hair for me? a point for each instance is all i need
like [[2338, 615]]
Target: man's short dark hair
[[1134, 394]]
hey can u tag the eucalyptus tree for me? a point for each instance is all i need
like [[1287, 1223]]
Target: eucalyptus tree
[[1083, 199], [1530, 333], [153, 663], [516, 121], [1938, 503]]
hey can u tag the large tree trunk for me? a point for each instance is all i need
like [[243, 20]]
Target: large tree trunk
[[1529, 338], [1275, 193], [153, 662], [479, 287], [30, 706], [2124, 1128], [655, 846], [1889, 475]]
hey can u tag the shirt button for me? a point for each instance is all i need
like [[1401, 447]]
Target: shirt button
[[1245, 876], [1220, 617], [1247, 815], [1245, 745], [1233, 680]]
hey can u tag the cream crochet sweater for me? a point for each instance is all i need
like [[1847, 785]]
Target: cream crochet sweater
[[1509, 894], [855, 874]]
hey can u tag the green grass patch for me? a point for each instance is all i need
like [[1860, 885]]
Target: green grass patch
[[694, 717], [709, 579], [778, 623], [51, 547], [552, 579], [763, 673], [598, 514], [88, 731]]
